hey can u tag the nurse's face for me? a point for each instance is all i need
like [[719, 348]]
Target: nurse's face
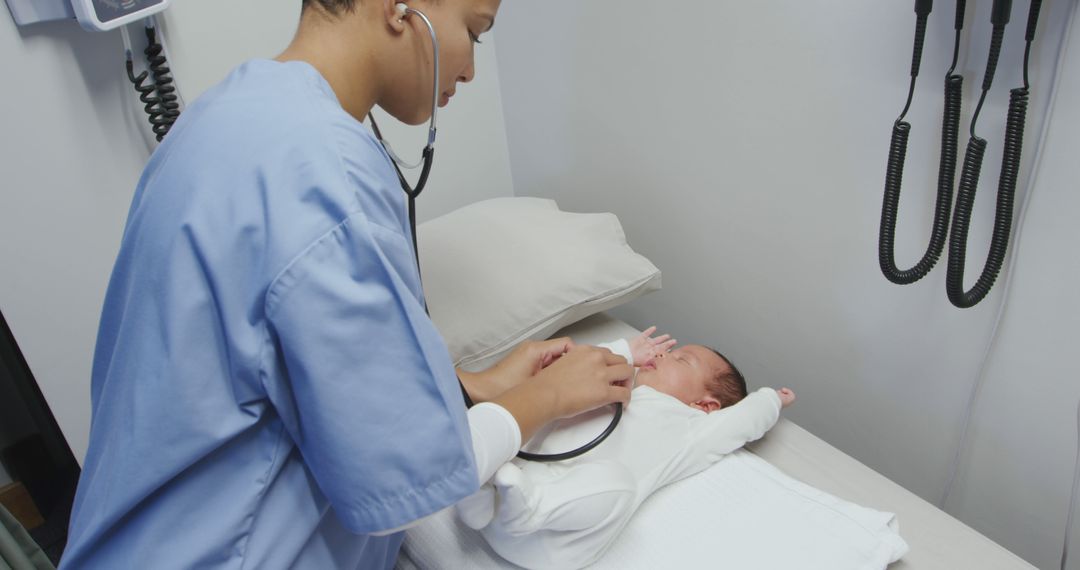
[[459, 24]]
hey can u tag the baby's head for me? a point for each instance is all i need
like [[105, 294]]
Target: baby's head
[[697, 375]]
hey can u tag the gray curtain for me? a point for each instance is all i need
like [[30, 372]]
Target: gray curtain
[[17, 550]]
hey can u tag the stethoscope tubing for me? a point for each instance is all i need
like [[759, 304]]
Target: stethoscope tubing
[[413, 193]]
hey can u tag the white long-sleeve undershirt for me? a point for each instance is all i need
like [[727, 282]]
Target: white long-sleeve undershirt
[[496, 439]]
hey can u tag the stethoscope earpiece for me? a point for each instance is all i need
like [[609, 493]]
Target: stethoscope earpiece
[[426, 156]]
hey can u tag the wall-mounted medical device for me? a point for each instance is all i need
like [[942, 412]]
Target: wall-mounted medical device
[[155, 86], [957, 234], [94, 15]]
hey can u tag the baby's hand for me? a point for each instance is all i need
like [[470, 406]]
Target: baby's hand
[[645, 349], [787, 397]]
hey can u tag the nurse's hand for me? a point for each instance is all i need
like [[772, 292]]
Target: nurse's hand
[[584, 378], [522, 363]]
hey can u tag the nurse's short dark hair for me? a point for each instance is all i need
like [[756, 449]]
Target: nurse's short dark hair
[[728, 386], [334, 7]]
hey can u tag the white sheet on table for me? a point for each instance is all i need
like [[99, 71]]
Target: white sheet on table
[[740, 513]]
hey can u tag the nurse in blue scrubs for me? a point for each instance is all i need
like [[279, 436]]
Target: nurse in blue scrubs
[[267, 389]]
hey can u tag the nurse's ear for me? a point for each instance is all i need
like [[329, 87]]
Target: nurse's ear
[[394, 13]]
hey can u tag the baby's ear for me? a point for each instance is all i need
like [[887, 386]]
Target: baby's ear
[[707, 404]]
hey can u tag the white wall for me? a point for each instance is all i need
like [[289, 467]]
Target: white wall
[[1017, 469], [74, 143], [70, 157], [743, 146]]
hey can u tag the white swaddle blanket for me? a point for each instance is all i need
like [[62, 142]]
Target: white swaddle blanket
[[740, 513]]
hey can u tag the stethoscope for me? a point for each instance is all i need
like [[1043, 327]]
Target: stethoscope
[[428, 154], [412, 192]]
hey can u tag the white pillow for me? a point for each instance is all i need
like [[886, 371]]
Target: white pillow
[[506, 270]]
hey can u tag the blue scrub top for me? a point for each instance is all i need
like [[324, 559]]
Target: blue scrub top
[[267, 388]]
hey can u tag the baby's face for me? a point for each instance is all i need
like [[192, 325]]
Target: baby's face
[[684, 374]]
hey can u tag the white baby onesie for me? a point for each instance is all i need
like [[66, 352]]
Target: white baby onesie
[[566, 514]]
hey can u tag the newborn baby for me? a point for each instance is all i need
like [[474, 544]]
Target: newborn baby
[[688, 409]]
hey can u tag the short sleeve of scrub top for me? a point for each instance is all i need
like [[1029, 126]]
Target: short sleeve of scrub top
[[362, 392], [267, 389]]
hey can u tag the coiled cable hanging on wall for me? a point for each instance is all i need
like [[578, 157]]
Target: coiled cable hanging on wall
[[894, 173], [155, 86], [163, 82], [1010, 167], [147, 93]]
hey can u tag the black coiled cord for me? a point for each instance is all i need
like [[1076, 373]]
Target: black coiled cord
[[147, 93], [965, 200], [1010, 169], [894, 171], [159, 99], [169, 104], [969, 177]]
